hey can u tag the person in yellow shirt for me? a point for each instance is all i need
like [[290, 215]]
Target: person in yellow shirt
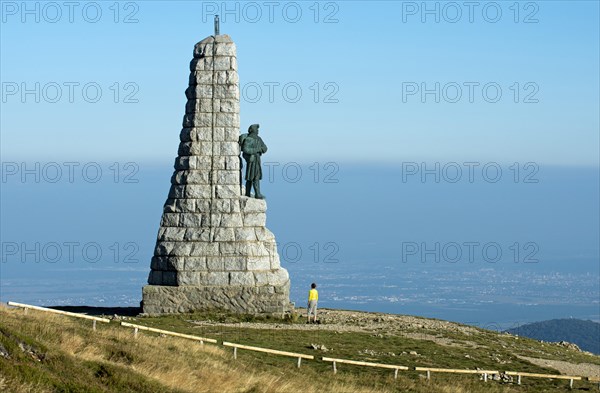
[[313, 299]]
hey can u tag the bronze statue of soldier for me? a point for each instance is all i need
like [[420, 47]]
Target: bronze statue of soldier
[[252, 147]]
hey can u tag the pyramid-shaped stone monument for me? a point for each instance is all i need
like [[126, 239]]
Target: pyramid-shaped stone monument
[[213, 249]]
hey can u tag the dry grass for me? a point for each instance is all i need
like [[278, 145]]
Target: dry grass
[[110, 359], [177, 364]]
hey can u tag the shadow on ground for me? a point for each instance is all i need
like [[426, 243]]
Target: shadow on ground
[[99, 311]]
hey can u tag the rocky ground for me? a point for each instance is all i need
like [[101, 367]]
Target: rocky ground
[[584, 369], [357, 321], [381, 324]]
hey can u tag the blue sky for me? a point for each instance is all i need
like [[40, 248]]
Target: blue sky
[[365, 58], [361, 68]]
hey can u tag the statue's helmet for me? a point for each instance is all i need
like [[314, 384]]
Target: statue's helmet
[[253, 128]]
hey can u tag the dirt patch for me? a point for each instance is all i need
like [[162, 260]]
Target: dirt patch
[[567, 368]]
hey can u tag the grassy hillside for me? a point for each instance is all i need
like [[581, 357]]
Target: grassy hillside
[[41, 352], [586, 334]]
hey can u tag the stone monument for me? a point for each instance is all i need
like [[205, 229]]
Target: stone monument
[[213, 249]]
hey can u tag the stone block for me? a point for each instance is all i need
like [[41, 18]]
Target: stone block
[[241, 278], [229, 106], [245, 234], [224, 235], [225, 49], [266, 290], [186, 135], [185, 205], [247, 249], [227, 177], [198, 191], [197, 177], [275, 262], [220, 77], [201, 134], [182, 163], [218, 278], [221, 63], [213, 220], [234, 205], [204, 249], [196, 234], [230, 220], [278, 277], [227, 191], [169, 220], [215, 263], [232, 76], [261, 277], [163, 249], [201, 149], [155, 277], [229, 119], [204, 49], [229, 149], [197, 64], [190, 220], [232, 163], [200, 91], [255, 219], [259, 263], [218, 134], [180, 249], [198, 119], [203, 205], [194, 264], [226, 92], [177, 191], [220, 205], [232, 134], [169, 206], [264, 235], [201, 77], [158, 299], [171, 233], [193, 163], [184, 149], [234, 263], [204, 162], [169, 278], [162, 263], [252, 205], [190, 278], [158, 263]]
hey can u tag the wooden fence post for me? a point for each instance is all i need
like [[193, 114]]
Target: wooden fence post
[[334, 368], [135, 332], [94, 324], [235, 352], [299, 361], [428, 375], [519, 379], [396, 374]]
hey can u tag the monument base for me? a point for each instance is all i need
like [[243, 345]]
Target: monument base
[[162, 299]]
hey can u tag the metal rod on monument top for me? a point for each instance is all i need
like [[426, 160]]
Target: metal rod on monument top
[[216, 25]]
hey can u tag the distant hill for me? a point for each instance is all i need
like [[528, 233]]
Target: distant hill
[[586, 334]]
